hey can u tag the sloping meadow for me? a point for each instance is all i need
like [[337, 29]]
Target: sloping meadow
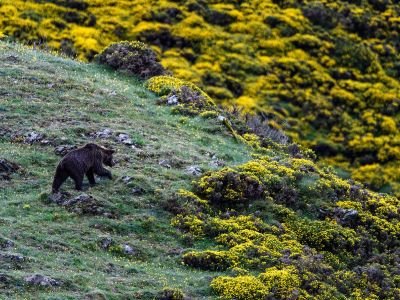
[[326, 72]]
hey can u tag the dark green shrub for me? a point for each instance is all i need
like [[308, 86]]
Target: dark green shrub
[[133, 57], [171, 294], [208, 260]]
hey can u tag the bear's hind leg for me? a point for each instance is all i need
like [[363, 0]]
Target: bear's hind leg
[[78, 179]]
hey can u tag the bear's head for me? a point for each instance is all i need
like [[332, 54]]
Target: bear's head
[[108, 157]]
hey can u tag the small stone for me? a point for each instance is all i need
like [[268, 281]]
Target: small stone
[[138, 191], [346, 217], [12, 257], [221, 118], [194, 170], [128, 250], [124, 139], [105, 133], [33, 137], [41, 280], [216, 163], [5, 243], [127, 179], [4, 278], [105, 243], [172, 100], [57, 198], [165, 163]]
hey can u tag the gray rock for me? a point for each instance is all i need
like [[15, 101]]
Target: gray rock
[[138, 191], [126, 179], [128, 250], [41, 280], [346, 217], [221, 118], [124, 139], [62, 150], [194, 170], [165, 163], [103, 134], [12, 257], [82, 204], [172, 100], [5, 243], [105, 243], [216, 163], [33, 137]]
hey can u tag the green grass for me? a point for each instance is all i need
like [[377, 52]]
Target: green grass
[[67, 100]]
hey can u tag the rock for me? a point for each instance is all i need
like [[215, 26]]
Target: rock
[[83, 204], [216, 163], [7, 168], [165, 163], [105, 243], [346, 217], [33, 137], [5, 279], [59, 197], [221, 118], [103, 134], [193, 170], [41, 280], [138, 191], [5, 243], [124, 139], [62, 150], [126, 179], [172, 100], [128, 250], [13, 58], [12, 257]]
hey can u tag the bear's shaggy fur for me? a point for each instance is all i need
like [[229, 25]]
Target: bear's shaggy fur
[[87, 160]]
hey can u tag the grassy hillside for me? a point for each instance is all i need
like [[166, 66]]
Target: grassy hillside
[[326, 72], [66, 101], [262, 221]]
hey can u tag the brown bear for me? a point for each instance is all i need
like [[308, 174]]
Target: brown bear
[[87, 160]]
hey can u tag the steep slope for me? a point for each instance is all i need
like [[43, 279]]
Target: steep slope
[[48, 101], [326, 72]]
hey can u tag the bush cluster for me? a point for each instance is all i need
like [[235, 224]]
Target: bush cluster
[[135, 58]]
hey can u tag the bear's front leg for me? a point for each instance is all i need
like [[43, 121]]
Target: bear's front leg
[[102, 172], [90, 176]]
